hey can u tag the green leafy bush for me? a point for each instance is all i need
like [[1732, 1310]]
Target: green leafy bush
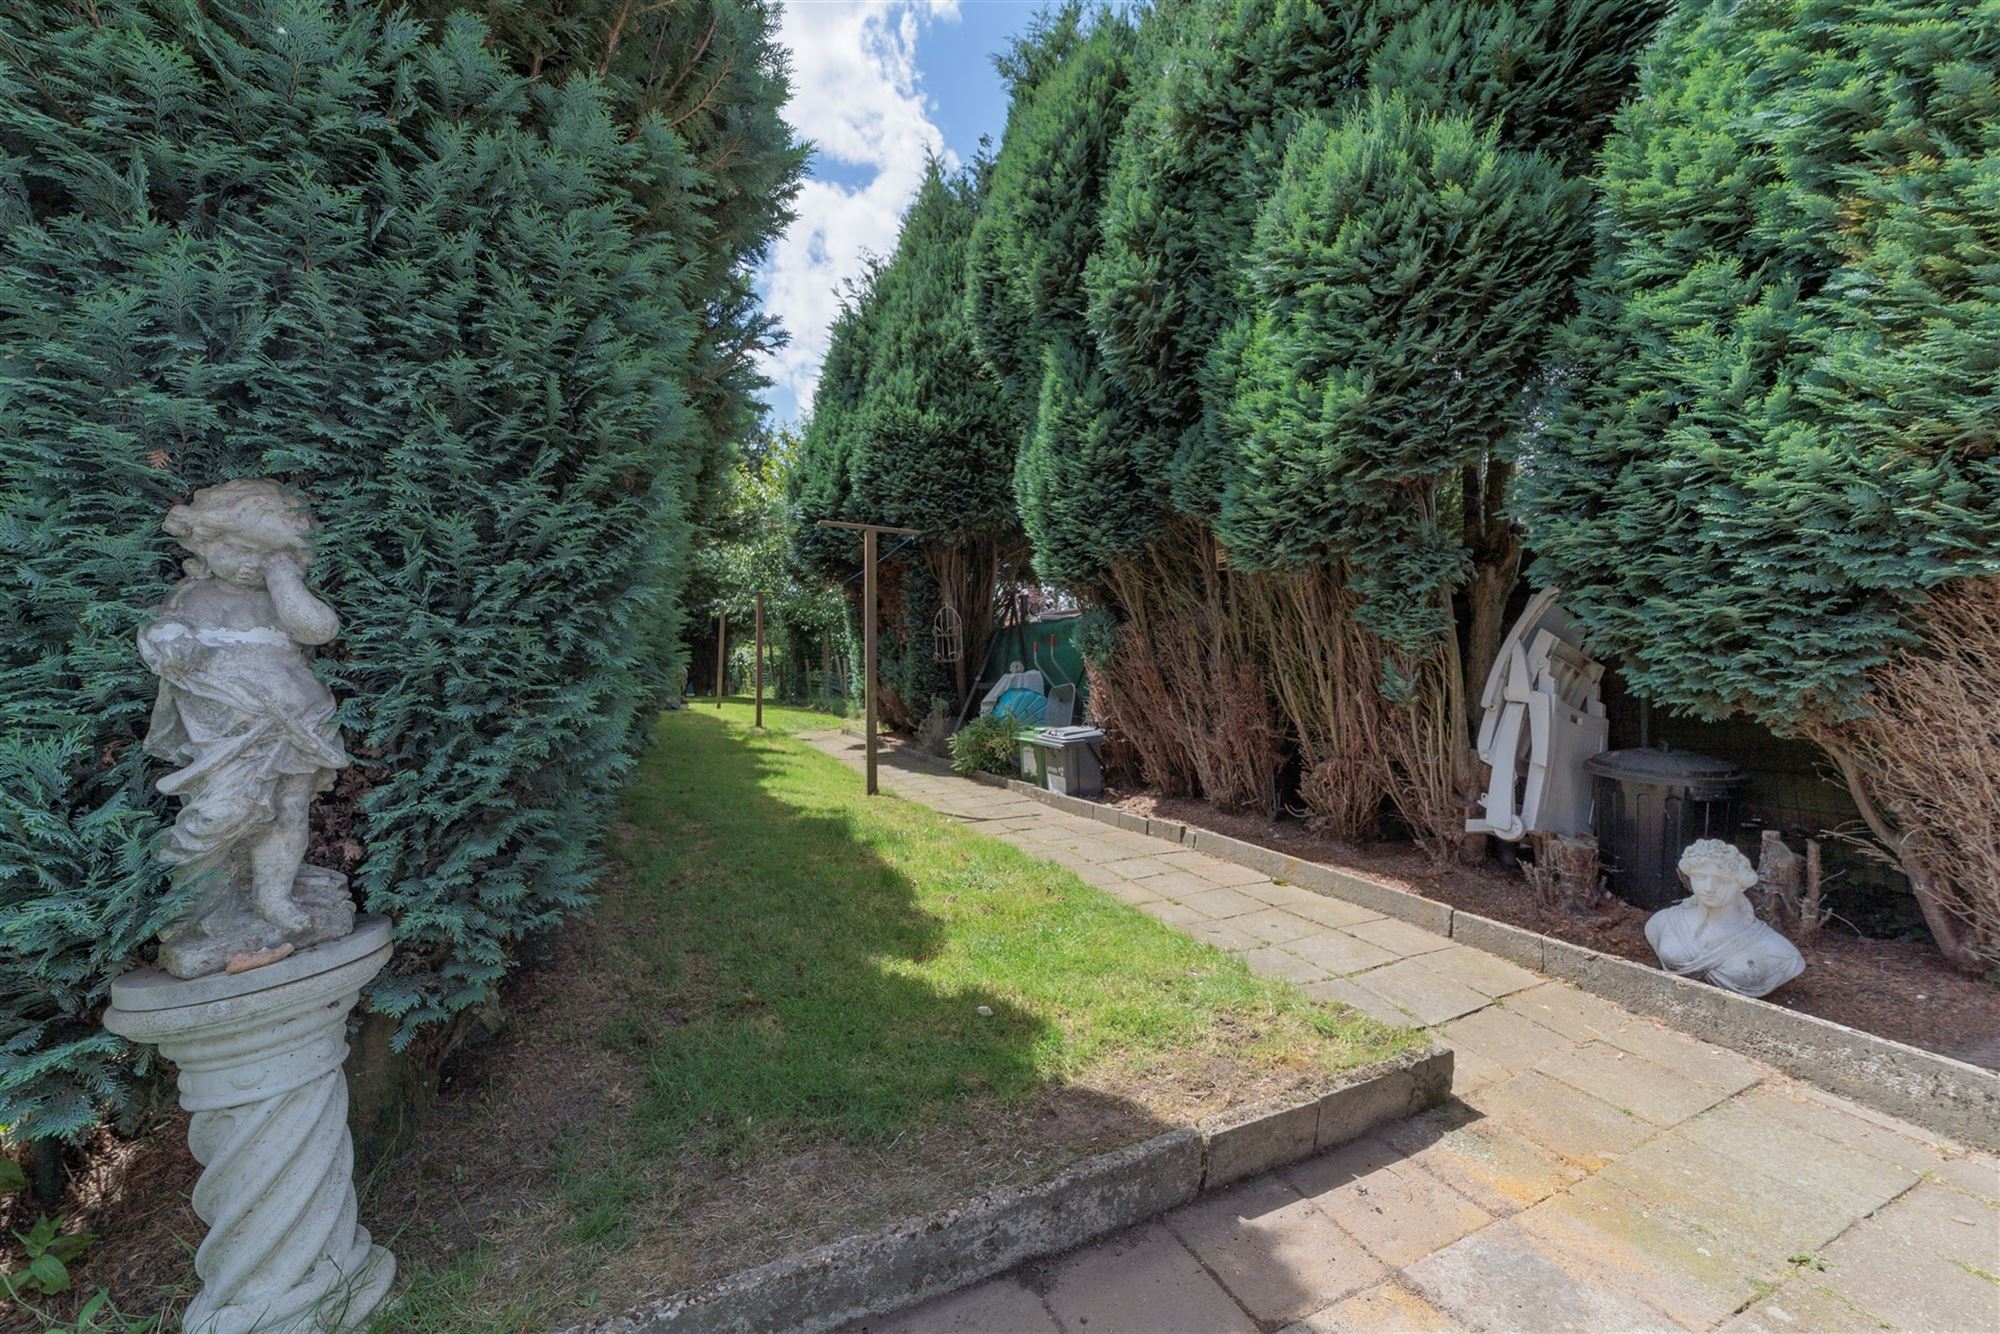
[[985, 745]]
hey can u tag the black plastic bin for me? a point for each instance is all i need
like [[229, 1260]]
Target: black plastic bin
[[1647, 806]]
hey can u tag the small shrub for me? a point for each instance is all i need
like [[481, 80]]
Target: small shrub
[[984, 746]]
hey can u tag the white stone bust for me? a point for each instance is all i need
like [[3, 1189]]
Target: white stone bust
[[1714, 934]]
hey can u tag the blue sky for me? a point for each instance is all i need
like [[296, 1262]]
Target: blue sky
[[876, 84]]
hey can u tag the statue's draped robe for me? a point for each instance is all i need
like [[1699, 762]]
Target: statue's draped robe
[[238, 714]]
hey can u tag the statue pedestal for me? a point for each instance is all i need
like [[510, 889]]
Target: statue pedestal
[[259, 1056]]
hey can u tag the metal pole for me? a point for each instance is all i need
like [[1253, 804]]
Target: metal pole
[[760, 662], [868, 649], [721, 647]]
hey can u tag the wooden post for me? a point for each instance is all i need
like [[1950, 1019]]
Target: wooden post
[[721, 648], [868, 651], [760, 662], [869, 531]]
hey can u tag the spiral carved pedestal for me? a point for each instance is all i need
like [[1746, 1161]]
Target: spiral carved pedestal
[[259, 1056]]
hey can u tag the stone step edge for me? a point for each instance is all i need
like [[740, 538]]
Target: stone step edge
[[909, 1262], [1947, 1096]]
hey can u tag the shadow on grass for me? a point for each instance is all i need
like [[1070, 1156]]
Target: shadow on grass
[[779, 944]]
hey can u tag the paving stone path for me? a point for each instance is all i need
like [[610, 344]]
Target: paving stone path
[[1594, 1171]]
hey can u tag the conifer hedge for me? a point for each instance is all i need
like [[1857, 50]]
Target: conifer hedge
[[1782, 437], [458, 307]]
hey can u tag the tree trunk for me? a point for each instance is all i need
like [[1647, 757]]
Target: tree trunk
[[1946, 929]]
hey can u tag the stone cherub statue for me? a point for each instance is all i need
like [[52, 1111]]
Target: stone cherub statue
[[251, 730], [1714, 934]]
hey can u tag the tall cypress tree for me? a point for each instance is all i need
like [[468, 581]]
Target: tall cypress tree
[[1782, 431], [317, 241]]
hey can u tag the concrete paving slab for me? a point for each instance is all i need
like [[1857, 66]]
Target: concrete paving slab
[[1002, 1306], [1497, 1279], [1976, 1174], [1929, 1261], [1503, 1036], [1683, 1055], [1280, 896], [1496, 1168], [1339, 953], [1220, 872], [1276, 1254], [1131, 891], [1386, 1308], [1748, 1141], [1275, 926], [1142, 1282], [1273, 961], [1399, 1212], [1576, 1126], [1631, 1082], [1399, 937], [1178, 885], [1331, 912], [1577, 1015], [1802, 1306], [1224, 903], [1485, 973], [1780, 1100], [1642, 1249], [1173, 914], [1224, 936], [1470, 1071], [1432, 998], [1360, 998], [1138, 868]]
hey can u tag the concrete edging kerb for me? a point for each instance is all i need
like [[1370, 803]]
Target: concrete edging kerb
[[1950, 1097], [928, 1256]]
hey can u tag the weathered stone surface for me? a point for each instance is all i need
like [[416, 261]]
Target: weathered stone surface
[[1497, 1169], [1632, 1082], [1509, 942], [1003, 1306], [1366, 1099], [1273, 961], [1143, 1283], [1338, 952], [924, 1257], [1331, 912], [1360, 998], [1224, 936], [1399, 937], [1583, 1129], [1431, 998], [1497, 1279], [1574, 1014], [259, 1069], [1385, 1308], [1221, 902], [1503, 1036], [1399, 1212], [1484, 973], [1385, 899], [1275, 926], [1928, 1261], [1246, 1141], [1275, 1253]]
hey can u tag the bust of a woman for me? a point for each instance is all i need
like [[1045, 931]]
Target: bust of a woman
[[1714, 934]]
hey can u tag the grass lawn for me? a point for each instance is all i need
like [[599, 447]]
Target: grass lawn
[[796, 1013]]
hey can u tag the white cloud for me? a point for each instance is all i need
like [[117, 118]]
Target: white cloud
[[857, 94]]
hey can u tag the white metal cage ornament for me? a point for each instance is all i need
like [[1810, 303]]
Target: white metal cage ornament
[[947, 635]]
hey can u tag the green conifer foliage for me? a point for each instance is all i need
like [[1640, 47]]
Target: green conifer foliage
[[1785, 430], [312, 240], [1085, 498], [1783, 437], [1038, 226], [1406, 273]]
